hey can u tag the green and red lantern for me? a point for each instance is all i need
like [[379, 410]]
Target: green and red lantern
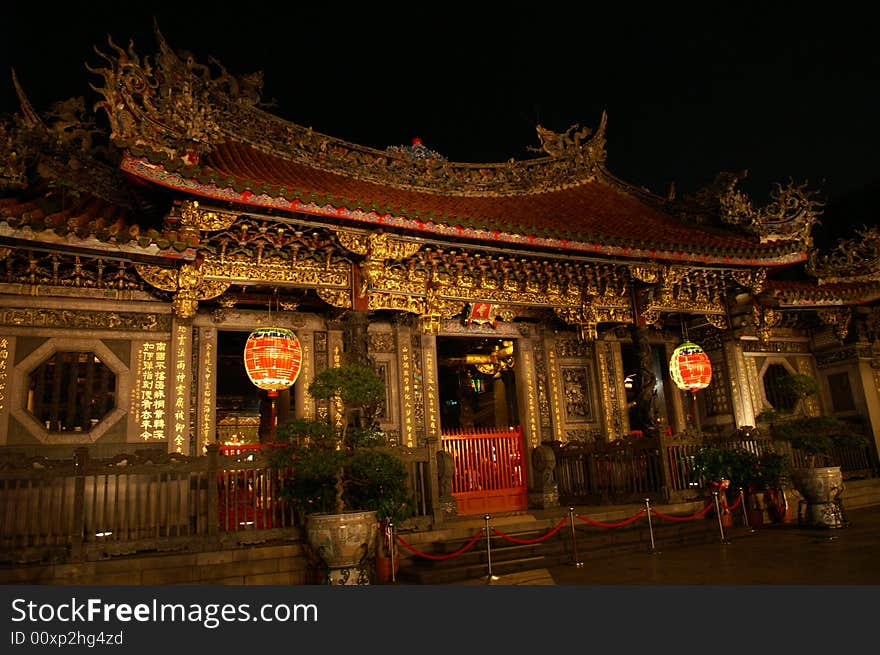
[[690, 367], [691, 371]]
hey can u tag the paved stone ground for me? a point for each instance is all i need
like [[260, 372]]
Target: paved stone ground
[[771, 555]]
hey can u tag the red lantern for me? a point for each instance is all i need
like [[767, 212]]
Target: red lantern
[[690, 367], [272, 358]]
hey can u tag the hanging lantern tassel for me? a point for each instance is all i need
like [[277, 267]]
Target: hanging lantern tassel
[[272, 359]]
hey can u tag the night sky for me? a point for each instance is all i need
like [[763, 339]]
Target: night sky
[[718, 87]]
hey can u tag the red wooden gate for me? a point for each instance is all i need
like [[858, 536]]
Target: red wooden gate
[[489, 469]]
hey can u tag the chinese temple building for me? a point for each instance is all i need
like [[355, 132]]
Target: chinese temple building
[[541, 297]]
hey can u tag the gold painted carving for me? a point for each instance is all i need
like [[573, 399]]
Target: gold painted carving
[[645, 273], [188, 284], [765, 320], [337, 297], [304, 273], [839, 318], [682, 289], [194, 219], [379, 248], [853, 260], [753, 280]]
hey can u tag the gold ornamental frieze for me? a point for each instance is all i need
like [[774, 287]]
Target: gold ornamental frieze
[[78, 319], [716, 309], [304, 273], [378, 245], [396, 301]]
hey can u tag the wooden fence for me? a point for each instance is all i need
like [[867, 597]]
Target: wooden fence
[[629, 470], [622, 471], [70, 510]]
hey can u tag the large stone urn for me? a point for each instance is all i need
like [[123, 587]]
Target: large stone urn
[[821, 488], [345, 543]]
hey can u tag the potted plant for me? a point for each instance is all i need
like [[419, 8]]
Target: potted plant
[[344, 485], [770, 475], [726, 469], [814, 438]]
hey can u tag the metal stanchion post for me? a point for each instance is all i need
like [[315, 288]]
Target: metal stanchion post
[[574, 544], [718, 514], [650, 524], [742, 501], [392, 548], [489, 576]]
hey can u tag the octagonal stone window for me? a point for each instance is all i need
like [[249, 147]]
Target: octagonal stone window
[[71, 391]]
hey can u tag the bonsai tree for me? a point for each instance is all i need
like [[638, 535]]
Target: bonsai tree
[[814, 436], [817, 436], [339, 469]]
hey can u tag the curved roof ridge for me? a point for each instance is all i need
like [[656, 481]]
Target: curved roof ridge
[[173, 104]]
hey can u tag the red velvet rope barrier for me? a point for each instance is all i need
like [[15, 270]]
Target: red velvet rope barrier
[[613, 525], [684, 518], [735, 505], [439, 557], [532, 541]]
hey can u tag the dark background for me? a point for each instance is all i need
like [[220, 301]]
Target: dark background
[[786, 92]]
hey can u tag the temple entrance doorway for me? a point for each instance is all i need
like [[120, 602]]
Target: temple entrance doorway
[[480, 423], [477, 383], [244, 412]]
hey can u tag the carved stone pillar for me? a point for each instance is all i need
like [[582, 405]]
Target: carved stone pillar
[[740, 384], [432, 421], [206, 417], [646, 394], [180, 382], [303, 407], [355, 338]]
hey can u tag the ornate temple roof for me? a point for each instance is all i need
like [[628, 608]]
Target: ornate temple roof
[[199, 130]]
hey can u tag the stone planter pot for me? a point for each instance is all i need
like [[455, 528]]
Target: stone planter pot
[[345, 543], [821, 488]]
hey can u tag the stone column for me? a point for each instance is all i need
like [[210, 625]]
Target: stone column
[[336, 351], [432, 421], [646, 380], [554, 388], [355, 338], [528, 400], [406, 392], [303, 406], [180, 381], [206, 414]]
